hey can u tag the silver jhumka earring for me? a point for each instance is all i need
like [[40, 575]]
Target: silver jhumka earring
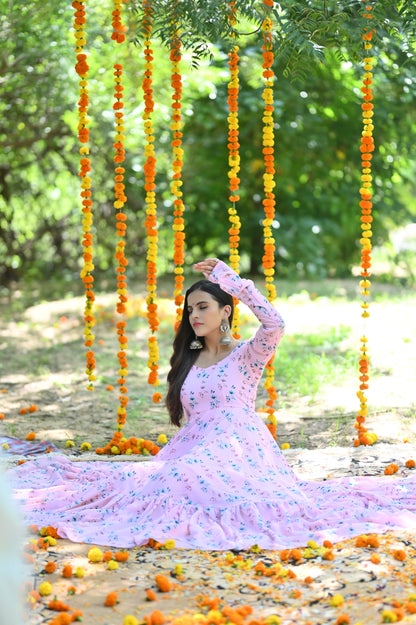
[[224, 329], [196, 343]]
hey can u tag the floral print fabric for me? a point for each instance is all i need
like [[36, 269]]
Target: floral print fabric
[[221, 482]]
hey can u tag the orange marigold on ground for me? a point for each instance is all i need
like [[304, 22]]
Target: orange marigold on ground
[[157, 618], [58, 606], [67, 571], [121, 556], [111, 599], [399, 554], [107, 556], [392, 468], [163, 583], [50, 567]]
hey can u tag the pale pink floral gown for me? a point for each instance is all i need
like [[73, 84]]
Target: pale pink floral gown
[[221, 482]]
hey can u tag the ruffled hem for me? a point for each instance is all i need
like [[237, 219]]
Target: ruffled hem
[[194, 526]]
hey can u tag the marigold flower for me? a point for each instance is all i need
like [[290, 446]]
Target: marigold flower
[[31, 436], [130, 620], [122, 555], [150, 595], [399, 554], [45, 589], [50, 567], [410, 464], [163, 583], [157, 618], [67, 571], [95, 554], [336, 600], [343, 619], [111, 599], [58, 606]]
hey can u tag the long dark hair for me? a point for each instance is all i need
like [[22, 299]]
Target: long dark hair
[[183, 356]]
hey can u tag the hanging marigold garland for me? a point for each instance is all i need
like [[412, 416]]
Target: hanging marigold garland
[[150, 199], [119, 29], [367, 148], [176, 126], [119, 444], [268, 259], [87, 277], [234, 164], [121, 228]]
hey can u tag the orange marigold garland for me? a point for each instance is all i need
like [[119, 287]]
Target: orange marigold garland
[[176, 126], [87, 277], [118, 28], [150, 199], [121, 228], [268, 259], [234, 164], [367, 148]]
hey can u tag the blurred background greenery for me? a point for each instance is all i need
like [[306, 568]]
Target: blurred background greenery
[[318, 129]]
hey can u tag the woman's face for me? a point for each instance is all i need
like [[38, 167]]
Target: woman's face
[[205, 314]]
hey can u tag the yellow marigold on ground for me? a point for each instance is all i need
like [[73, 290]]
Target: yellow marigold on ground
[[285, 446], [79, 572], [69, 444], [45, 589], [170, 544], [389, 616], [162, 439], [273, 619], [95, 554], [112, 565], [336, 600], [85, 446], [130, 620]]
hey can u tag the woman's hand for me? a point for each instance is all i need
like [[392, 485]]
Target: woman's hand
[[206, 266]]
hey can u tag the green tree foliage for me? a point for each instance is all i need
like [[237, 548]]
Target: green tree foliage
[[318, 48]]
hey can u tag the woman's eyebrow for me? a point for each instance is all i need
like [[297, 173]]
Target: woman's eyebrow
[[198, 303]]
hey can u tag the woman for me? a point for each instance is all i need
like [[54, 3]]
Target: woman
[[221, 482]]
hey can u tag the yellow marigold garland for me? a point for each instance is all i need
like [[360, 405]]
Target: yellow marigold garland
[[87, 277], [150, 199], [367, 147], [268, 259], [176, 126], [234, 164]]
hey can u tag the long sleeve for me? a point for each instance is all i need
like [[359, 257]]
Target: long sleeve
[[264, 342]]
